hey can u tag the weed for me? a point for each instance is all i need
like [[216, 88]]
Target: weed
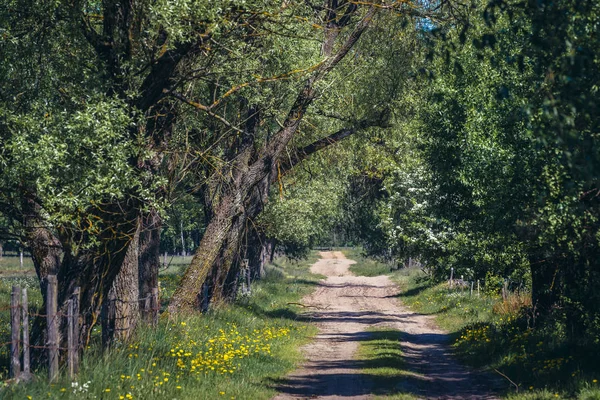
[[230, 352], [496, 333]]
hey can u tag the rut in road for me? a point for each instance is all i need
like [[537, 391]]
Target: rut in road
[[344, 307]]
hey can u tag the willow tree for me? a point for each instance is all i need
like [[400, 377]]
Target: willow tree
[[309, 115], [254, 166], [88, 121]]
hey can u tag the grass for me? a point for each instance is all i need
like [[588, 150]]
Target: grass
[[365, 266], [496, 334], [10, 265], [231, 352], [381, 358]]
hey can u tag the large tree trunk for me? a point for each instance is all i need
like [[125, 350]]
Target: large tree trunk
[[46, 251], [257, 253], [186, 296], [226, 282], [248, 170], [45, 248], [93, 266], [120, 310], [149, 261]]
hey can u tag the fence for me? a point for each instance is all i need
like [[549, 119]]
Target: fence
[[460, 283], [20, 346]]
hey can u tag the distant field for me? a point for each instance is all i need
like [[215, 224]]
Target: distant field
[[174, 264], [11, 266]]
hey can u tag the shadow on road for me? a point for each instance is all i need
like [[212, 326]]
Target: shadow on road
[[389, 373]]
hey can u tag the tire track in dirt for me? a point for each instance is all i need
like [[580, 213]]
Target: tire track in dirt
[[344, 307]]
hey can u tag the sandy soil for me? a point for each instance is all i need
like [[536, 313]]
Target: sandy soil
[[344, 307]]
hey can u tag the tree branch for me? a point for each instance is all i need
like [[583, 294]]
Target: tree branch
[[304, 152], [307, 93], [204, 108]]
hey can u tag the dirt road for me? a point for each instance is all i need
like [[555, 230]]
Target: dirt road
[[344, 307]]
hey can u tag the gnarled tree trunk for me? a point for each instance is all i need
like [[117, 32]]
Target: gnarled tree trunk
[[247, 171], [94, 267], [120, 310], [149, 260]]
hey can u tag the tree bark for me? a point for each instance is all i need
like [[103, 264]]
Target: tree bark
[[257, 254], [149, 261], [120, 310], [46, 249], [247, 171], [186, 295], [95, 267]]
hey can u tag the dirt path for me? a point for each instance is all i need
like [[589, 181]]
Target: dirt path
[[346, 307]]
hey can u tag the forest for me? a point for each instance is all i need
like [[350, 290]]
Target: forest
[[203, 149]]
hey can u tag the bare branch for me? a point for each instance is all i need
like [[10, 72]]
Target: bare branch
[[204, 108]]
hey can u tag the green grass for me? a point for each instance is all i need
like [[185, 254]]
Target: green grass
[[10, 265], [381, 358], [491, 333], [454, 308], [175, 264], [365, 266], [249, 344]]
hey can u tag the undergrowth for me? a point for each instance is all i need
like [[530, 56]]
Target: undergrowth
[[232, 352], [500, 334]]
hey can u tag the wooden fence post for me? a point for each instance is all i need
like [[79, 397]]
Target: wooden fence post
[[472, 283], [478, 294], [155, 306], [26, 356], [52, 326], [451, 276], [76, 325], [15, 324]]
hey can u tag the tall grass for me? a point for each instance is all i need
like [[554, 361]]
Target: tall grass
[[498, 334], [231, 352]]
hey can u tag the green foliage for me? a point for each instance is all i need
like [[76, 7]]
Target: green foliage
[[503, 141], [490, 332], [248, 344], [304, 215]]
